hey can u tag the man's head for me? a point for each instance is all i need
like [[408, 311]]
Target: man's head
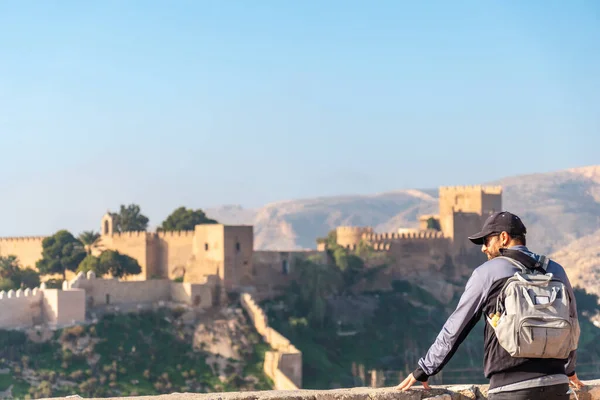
[[500, 230]]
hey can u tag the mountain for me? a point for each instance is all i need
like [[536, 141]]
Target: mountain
[[557, 207], [581, 259]]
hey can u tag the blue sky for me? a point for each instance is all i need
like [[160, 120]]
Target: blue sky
[[202, 103]]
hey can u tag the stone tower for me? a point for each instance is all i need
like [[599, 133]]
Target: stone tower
[[350, 236], [107, 225], [463, 210]]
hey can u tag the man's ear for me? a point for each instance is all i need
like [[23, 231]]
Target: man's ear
[[504, 239]]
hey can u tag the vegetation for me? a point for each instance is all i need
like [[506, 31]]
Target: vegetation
[[13, 277], [90, 240], [145, 353], [433, 223], [60, 252], [110, 262], [183, 219], [390, 337], [130, 218]]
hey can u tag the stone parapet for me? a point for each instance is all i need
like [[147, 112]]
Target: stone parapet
[[446, 392]]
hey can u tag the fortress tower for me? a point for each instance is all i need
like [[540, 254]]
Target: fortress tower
[[350, 236], [463, 209]]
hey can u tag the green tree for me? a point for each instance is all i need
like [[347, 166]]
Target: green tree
[[13, 277], [183, 219], [91, 263], [118, 265], [60, 252], [130, 218], [433, 223], [316, 282], [90, 240]]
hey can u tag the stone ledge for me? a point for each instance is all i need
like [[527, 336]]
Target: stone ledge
[[447, 392]]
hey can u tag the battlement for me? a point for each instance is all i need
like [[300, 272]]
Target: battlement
[[392, 236], [353, 230], [174, 234], [130, 234], [470, 188], [13, 294], [22, 239]]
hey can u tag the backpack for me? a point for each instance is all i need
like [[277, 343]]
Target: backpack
[[533, 318]]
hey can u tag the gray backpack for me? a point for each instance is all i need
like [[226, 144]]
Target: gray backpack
[[534, 315]]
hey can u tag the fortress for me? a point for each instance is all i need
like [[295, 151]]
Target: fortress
[[223, 256], [462, 211], [200, 267]]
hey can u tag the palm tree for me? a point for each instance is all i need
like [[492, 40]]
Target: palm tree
[[90, 240]]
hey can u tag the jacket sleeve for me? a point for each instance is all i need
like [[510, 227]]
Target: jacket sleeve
[[455, 330]]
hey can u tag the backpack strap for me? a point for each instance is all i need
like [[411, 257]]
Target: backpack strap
[[530, 264], [543, 263]]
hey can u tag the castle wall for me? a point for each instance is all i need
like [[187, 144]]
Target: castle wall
[[28, 250], [284, 363], [207, 253], [350, 236], [100, 292], [173, 252], [21, 308], [133, 244], [466, 224], [272, 270], [63, 307], [466, 199], [197, 295], [491, 201], [238, 247]]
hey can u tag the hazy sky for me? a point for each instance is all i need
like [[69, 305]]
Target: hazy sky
[[201, 103]]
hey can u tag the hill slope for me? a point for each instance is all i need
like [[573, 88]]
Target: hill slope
[[558, 207], [581, 259]]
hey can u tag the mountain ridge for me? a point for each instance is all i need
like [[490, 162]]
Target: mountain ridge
[[568, 199]]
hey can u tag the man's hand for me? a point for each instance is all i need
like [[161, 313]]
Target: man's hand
[[408, 382], [574, 381]]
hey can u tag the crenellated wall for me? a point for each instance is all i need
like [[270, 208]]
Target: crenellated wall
[[28, 249], [26, 308], [350, 236], [133, 244], [103, 292], [20, 308], [284, 363], [173, 251]]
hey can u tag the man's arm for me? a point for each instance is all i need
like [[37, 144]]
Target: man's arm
[[455, 330]]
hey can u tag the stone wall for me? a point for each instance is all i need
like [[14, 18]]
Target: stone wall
[[63, 307], [28, 250], [464, 392], [284, 363], [21, 308], [27, 308], [101, 292]]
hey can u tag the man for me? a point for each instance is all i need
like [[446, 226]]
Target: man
[[510, 377]]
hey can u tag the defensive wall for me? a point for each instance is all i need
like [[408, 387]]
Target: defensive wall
[[56, 307], [271, 270], [27, 249], [30, 307], [446, 392], [284, 363], [102, 292]]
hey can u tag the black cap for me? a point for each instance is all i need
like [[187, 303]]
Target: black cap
[[499, 222]]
